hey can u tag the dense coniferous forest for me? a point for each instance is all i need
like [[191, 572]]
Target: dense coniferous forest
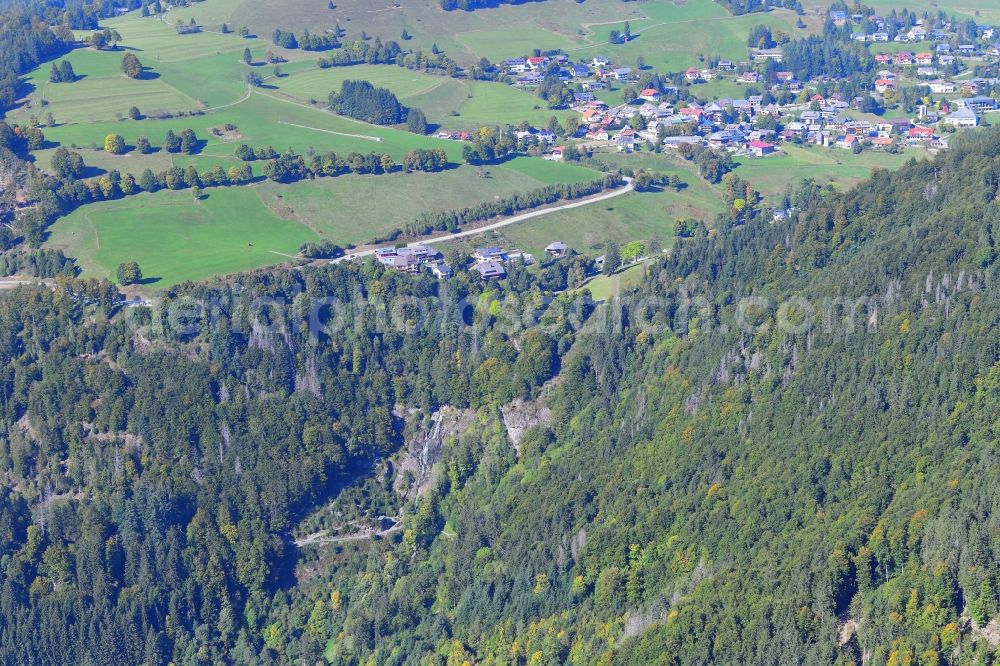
[[363, 101], [162, 458], [25, 41]]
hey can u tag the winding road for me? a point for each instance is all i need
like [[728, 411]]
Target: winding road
[[514, 219]]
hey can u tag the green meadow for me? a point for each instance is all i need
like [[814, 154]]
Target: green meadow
[[770, 175], [604, 287], [199, 80], [466, 36], [175, 238], [674, 42], [449, 103], [356, 209]]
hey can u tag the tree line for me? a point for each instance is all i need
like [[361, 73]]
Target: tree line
[[290, 167], [453, 220]]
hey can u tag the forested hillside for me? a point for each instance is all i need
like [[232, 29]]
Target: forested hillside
[[781, 448], [808, 476], [154, 463]]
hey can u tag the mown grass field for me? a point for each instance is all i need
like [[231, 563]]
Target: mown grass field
[[263, 119], [355, 209], [175, 238], [448, 103], [770, 175], [604, 287], [466, 36], [675, 41], [671, 34]]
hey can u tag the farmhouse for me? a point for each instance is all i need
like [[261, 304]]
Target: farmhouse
[[518, 65], [490, 270], [485, 254], [883, 85], [626, 140], [650, 95], [556, 249], [441, 271], [941, 87], [761, 148]]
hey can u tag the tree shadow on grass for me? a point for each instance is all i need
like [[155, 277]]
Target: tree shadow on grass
[[149, 280], [92, 172]]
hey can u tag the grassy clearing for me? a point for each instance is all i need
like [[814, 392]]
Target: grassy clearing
[[497, 103], [500, 43], [450, 103], [368, 206], [101, 92], [263, 119], [175, 239], [770, 175], [719, 88], [604, 287], [670, 33], [560, 22], [676, 44], [546, 172]]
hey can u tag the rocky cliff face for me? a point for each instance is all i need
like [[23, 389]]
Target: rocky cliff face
[[415, 466]]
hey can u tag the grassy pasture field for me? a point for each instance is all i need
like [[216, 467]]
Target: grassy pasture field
[[633, 216], [671, 34], [355, 209], [101, 91], [674, 44], [604, 287], [449, 103], [263, 119], [771, 174], [175, 238], [559, 22]]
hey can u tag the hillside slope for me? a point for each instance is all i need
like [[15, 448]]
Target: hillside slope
[[782, 448]]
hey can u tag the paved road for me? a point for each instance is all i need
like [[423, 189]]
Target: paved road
[[504, 222]]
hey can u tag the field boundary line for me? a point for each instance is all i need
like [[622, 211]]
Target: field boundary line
[[366, 137]]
